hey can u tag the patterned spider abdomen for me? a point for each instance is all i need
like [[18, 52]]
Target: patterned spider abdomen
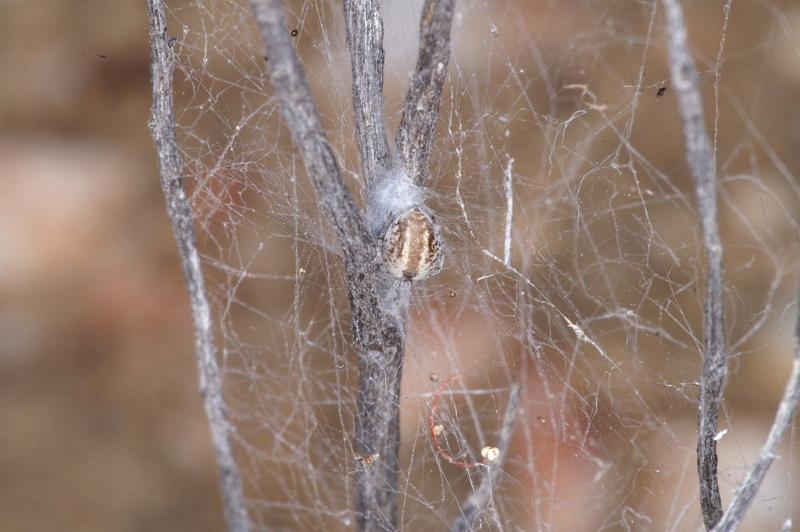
[[411, 247]]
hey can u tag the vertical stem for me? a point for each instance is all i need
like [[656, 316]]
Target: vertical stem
[[377, 436], [376, 308], [700, 156], [783, 419], [508, 185], [365, 41], [421, 110], [179, 209]]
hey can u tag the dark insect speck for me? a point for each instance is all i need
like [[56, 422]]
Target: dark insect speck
[[661, 92]]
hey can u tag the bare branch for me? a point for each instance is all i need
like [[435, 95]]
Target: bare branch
[[477, 503], [301, 115], [365, 41], [377, 305], [162, 125], [783, 419], [421, 110], [508, 184], [700, 156]]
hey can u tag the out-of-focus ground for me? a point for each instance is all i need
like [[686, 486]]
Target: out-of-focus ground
[[101, 423]]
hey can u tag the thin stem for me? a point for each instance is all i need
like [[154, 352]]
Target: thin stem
[[377, 324], [508, 185], [179, 209], [421, 110], [377, 434], [365, 42], [783, 419], [700, 156], [478, 501], [301, 116]]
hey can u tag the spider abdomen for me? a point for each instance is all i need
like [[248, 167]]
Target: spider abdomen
[[411, 246]]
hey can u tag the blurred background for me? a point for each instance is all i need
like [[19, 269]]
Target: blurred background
[[101, 423]]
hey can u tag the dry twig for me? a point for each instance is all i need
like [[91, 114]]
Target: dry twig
[[377, 333], [700, 156], [365, 42], [379, 305], [421, 110], [784, 417], [162, 125]]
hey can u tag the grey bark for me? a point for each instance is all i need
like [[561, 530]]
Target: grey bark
[[784, 417], [364, 26], [378, 304], [162, 126], [700, 156], [421, 109]]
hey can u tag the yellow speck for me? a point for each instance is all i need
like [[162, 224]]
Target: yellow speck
[[490, 453]]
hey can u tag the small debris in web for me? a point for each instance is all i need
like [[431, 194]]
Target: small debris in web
[[452, 293], [588, 98], [433, 377], [662, 90], [436, 429], [294, 33], [367, 460], [490, 454]]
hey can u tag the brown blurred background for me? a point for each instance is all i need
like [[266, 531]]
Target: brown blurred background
[[101, 423]]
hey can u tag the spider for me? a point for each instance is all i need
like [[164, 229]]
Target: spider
[[411, 247]]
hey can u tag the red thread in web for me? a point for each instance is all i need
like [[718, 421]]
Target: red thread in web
[[436, 429]]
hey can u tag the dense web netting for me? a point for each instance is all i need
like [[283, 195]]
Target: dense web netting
[[561, 114]]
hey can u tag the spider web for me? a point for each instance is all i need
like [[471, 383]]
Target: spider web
[[560, 113]]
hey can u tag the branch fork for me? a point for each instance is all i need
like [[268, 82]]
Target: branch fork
[[701, 160], [379, 304]]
